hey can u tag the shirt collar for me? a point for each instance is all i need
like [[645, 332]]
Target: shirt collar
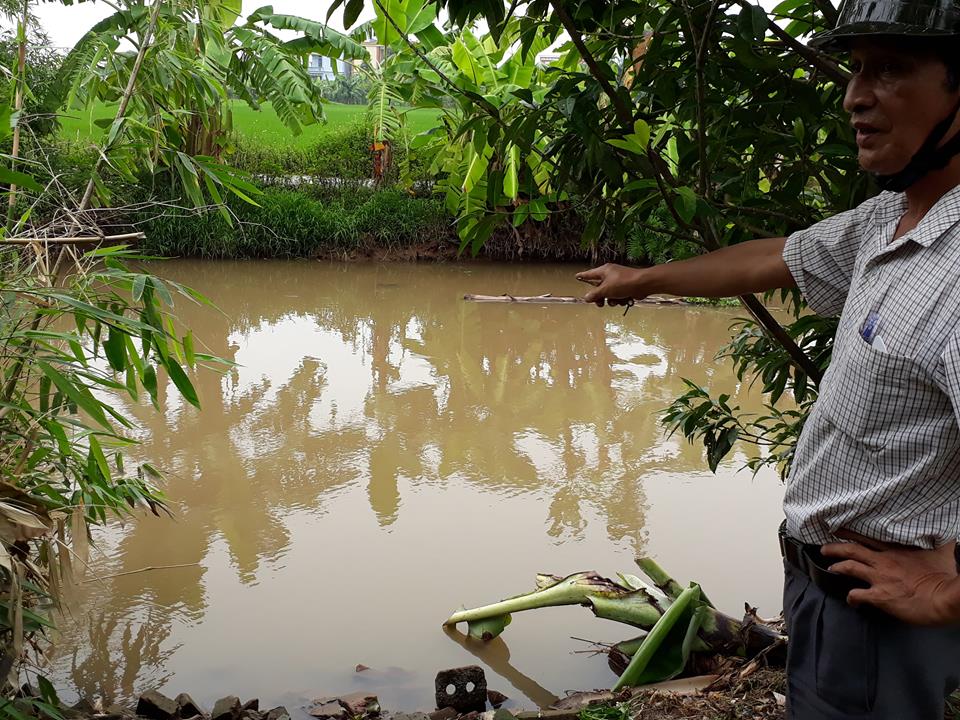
[[935, 224]]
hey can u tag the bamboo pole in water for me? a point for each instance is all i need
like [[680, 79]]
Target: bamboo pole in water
[[559, 300], [73, 240]]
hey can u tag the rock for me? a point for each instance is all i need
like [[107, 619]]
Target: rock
[[187, 708], [226, 708], [156, 706], [496, 698], [278, 713], [463, 698], [502, 714], [470, 716], [447, 713], [332, 709], [116, 711], [84, 707], [548, 715], [360, 704], [360, 668], [251, 705], [410, 716], [580, 700]]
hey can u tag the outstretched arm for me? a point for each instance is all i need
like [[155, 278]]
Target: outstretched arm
[[754, 266]]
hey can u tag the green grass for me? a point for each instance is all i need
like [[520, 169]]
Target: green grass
[[308, 222], [260, 125]]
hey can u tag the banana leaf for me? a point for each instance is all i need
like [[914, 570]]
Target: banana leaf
[[665, 650]]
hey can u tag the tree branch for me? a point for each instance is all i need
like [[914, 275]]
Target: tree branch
[[821, 62], [828, 11], [122, 110], [624, 113]]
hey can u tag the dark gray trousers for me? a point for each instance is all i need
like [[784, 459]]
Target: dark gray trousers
[[861, 663]]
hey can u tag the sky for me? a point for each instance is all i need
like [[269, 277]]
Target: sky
[[67, 24]]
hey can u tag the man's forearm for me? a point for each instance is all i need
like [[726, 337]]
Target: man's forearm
[[749, 267]]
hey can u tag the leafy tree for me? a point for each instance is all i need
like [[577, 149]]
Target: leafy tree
[[712, 115], [42, 65], [190, 58], [349, 90]]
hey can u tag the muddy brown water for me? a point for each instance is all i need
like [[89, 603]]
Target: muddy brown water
[[384, 453]]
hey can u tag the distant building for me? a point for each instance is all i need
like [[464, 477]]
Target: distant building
[[322, 67], [545, 59], [378, 53]]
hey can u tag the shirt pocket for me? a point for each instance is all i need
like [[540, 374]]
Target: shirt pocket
[[878, 399]]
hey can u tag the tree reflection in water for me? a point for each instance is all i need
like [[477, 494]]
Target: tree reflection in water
[[379, 376]]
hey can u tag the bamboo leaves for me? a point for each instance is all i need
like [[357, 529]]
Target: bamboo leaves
[[69, 349]]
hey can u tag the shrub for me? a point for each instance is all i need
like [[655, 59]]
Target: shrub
[[306, 222], [344, 154]]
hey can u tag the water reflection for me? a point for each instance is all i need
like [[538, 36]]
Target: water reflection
[[382, 452]]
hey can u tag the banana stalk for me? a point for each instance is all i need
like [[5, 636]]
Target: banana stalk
[[581, 588], [657, 608]]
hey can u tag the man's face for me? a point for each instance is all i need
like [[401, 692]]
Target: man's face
[[895, 99]]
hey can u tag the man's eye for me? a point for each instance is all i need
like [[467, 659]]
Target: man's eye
[[891, 68]]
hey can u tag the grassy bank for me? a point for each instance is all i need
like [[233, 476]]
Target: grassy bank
[[338, 217], [308, 222], [352, 222]]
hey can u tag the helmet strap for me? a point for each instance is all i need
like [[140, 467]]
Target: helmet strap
[[932, 156]]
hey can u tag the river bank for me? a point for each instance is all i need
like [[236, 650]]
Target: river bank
[[742, 691], [351, 221]]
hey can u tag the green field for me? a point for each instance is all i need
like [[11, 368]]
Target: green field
[[261, 125]]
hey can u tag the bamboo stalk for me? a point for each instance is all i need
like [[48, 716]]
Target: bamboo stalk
[[151, 568], [18, 104], [73, 240], [127, 94]]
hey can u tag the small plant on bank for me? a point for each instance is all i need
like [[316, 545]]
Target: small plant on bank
[[620, 711]]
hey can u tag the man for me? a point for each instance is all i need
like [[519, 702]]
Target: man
[[872, 594]]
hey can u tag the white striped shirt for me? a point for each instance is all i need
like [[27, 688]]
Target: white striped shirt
[[880, 452]]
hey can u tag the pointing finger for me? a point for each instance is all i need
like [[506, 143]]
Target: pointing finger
[[593, 276]]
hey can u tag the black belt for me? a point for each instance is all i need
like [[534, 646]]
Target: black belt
[[810, 561]]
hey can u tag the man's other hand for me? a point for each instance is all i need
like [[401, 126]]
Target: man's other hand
[[612, 284], [916, 586]]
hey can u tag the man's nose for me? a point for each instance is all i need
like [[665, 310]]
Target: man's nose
[[860, 96]]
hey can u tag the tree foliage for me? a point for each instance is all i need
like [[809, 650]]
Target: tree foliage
[[701, 123], [198, 56]]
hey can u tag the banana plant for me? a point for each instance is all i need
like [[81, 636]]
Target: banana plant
[[456, 72], [677, 621]]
